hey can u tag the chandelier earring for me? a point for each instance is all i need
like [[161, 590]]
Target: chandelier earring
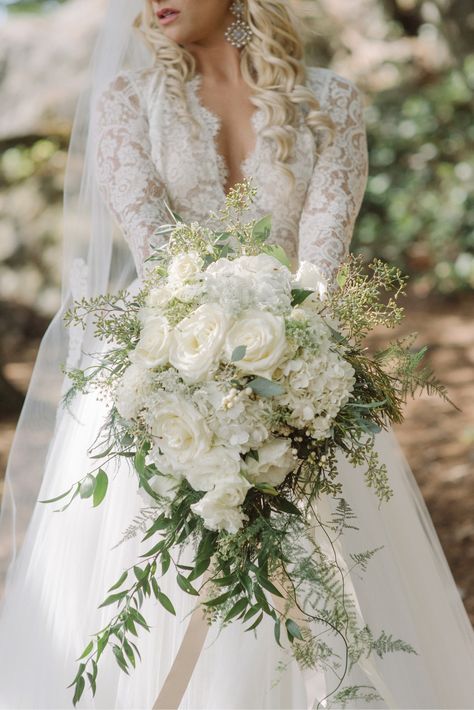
[[239, 32]]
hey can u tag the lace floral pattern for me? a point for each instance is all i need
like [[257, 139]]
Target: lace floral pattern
[[146, 156]]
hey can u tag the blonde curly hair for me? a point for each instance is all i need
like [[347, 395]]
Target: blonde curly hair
[[272, 64]]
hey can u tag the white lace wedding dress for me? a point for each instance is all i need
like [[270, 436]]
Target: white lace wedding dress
[[147, 153]]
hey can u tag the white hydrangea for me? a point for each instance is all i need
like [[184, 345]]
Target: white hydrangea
[[317, 386], [243, 424], [249, 282], [132, 391]]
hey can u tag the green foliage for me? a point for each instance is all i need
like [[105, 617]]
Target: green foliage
[[418, 211], [275, 556]]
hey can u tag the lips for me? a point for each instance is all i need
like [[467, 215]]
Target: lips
[[167, 12]]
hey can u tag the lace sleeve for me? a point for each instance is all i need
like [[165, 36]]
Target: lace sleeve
[[126, 175], [338, 182]]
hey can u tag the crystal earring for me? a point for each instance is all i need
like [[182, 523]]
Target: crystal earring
[[239, 32]]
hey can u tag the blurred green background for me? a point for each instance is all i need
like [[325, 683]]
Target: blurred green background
[[414, 60]]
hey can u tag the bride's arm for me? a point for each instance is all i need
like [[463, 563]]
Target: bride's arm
[[338, 182], [126, 174]]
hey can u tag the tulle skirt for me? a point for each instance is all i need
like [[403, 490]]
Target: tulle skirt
[[69, 559]]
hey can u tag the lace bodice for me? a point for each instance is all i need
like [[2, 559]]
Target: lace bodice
[[146, 154]]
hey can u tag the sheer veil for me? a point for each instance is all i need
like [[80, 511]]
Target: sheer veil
[[95, 260], [408, 589]]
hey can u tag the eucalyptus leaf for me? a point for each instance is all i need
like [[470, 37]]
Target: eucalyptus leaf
[[185, 585], [100, 489], [113, 598], [238, 353], [80, 685], [299, 295], [53, 500], [293, 630], [86, 651], [256, 622], [265, 388], [86, 487], [119, 582], [278, 253], [262, 228], [166, 602]]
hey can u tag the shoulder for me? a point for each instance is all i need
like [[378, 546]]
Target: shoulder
[[132, 87], [327, 85]]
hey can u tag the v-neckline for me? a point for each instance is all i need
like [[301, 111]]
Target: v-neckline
[[214, 123]]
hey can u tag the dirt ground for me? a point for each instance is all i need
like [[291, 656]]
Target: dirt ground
[[438, 440]]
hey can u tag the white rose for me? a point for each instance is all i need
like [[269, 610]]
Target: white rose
[[217, 465], [263, 334], [158, 297], [275, 461], [310, 277], [179, 431], [197, 342], [220, 508], [154, 344], [131, 391], [184, 267]]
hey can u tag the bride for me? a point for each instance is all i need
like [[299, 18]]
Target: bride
[[186, 99]]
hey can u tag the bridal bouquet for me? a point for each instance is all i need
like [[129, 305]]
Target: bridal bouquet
[[234, 385]]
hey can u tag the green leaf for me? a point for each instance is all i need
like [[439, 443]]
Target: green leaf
[[261, 598], [256, 622], [262, 228], [276, 631], [53, 500], [86, 487], [266, 488], [278, 253], [238, 353], [165, 561], [185, 585], [286, 506], [159, 524], [166, 602], [119, 582], [139, 618], [250, 612], [342, 275], [237, 609], [139, 573], [120, 658], [129, 652], [113, 598], [293, 630], [86, 651], [80, 672], [253, 454], [101, 644], [207, 545], [80, 685], [299, 295], [265, 388], [367, 405], [216, 601], [92, 683], [101, 484], [200, 568], [269, 586]]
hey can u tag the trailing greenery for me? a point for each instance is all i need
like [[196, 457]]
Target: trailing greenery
[[276, 564]]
